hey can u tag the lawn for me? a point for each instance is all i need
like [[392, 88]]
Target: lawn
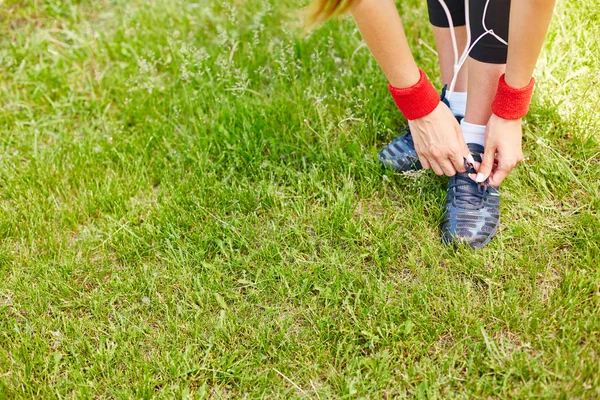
[[191, 207]]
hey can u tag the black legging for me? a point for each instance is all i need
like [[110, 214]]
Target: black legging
[[488, 49]]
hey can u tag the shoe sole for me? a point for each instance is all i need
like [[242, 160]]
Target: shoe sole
[[492, 235], [455, 241], [390, 165]]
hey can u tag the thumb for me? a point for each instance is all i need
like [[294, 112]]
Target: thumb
[[487, 163], [465, 149], [463, 145]]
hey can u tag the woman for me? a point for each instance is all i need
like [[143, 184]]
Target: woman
[[505, 42]]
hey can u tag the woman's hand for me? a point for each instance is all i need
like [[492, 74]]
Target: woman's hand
[[502, 150], [439, 142]]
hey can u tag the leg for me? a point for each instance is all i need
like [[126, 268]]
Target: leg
[[472, 210], [487, 60], [483, 81], [443, 43]]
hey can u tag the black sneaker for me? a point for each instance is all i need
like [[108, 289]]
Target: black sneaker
[[472, 209], [400, 153]]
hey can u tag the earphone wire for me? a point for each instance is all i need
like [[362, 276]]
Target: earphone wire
[[459, 62]]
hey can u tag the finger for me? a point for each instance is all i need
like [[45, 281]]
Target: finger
[[448, 168], [424, 161], [477, 165], [487, 163], [470, 159], [499, 175], [436, 168], [458, 162]]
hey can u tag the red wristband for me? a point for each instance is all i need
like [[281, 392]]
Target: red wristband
[[511, 103], [416, 101]]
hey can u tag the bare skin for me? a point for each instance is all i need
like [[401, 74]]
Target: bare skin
[[439, 142], [381, 28], [529, 21], [482, 85], [438, 139], [443, 44]]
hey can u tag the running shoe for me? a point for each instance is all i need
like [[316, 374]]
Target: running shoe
[[400, 153], [472, 210]]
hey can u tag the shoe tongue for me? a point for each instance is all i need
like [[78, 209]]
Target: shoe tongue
[[475, 149]]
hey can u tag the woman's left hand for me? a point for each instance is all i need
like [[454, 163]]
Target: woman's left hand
[[502, 150]]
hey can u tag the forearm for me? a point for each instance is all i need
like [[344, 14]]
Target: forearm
[[381, 28], [529, 21]]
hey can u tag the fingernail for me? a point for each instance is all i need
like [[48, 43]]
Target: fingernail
[[472, 176], [470, 159], [480, 178]]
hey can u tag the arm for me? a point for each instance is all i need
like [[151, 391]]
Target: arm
[[438, 139], [381, 28], [529, 21]]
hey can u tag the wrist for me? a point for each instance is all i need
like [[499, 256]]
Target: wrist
[[516, 81], [510, 102], [417, 100], [406, 77], [508, 120]]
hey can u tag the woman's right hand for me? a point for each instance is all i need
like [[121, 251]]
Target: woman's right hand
[[439, 142]]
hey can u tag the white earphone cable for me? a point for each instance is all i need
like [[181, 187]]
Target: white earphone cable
[[459, 62]]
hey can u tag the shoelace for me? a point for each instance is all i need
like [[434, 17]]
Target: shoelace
[[468, 194], [464, 194]]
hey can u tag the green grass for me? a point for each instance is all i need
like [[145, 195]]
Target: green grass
[[191, 207]]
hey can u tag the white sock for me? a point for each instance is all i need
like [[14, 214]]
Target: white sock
[[458, 103], [472, 133]]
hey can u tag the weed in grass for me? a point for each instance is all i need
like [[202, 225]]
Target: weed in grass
[[190, 206]]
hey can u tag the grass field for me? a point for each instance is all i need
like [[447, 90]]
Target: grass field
[[191, 207]]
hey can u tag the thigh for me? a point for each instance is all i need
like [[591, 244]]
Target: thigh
[[489, 49], [438, 17]]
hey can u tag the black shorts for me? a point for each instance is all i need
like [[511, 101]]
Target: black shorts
[[488, 49]]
